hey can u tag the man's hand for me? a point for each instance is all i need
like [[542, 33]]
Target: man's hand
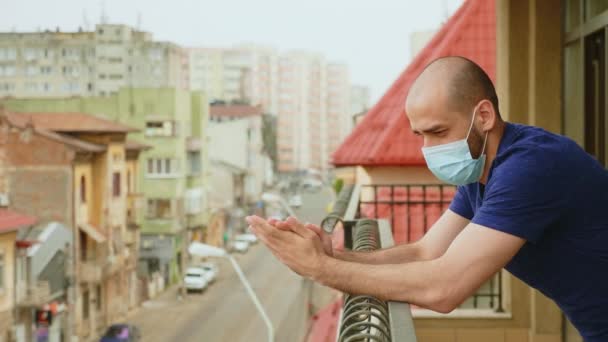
[[291, 222], [300, 249]]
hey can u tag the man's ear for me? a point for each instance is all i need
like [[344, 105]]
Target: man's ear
[[487, 115]]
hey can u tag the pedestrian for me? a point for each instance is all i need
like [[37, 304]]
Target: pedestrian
[[528, 200]]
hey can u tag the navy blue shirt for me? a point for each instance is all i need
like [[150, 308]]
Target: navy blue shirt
[[546, 189]]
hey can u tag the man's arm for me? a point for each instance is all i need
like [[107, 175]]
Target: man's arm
[[432, 245], [440, 284]]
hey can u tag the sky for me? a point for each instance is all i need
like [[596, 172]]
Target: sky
[[371, 37]]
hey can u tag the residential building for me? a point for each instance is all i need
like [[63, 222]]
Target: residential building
[[359, 99], [237, 148], [43, 273], [175, 173], [87, 63], [314, 111], [244, 74], [10, 223], [70, 168]]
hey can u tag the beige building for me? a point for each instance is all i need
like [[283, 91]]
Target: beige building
[[93, 191], [244, 73], [314, 111], [59, 64]]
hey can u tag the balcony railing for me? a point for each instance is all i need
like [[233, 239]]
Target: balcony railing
[[412, 210], [366, 318], [90, 272], [378, 216], [135, 210], [34, 295]]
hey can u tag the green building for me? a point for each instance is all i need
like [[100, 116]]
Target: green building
[[173, 178]]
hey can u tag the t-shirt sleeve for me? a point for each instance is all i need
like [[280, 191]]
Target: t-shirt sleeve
[[526, 194], [461, 204]]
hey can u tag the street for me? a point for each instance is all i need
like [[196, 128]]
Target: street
[[224, 312]]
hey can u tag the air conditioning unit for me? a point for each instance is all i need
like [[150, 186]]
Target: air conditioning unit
[[4, 199]]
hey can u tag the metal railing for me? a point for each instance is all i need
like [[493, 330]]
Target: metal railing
[[411, 210], [339, 209], [366, 318]]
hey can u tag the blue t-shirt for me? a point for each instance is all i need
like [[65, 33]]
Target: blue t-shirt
[[544, 188]]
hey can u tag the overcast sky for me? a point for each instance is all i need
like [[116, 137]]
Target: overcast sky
[[372, 37]]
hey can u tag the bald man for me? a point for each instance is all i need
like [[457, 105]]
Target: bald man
[[528, 200]]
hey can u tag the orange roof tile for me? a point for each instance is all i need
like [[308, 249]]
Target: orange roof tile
[[68, 122], [11, 221], [384, 136], [234, 110]]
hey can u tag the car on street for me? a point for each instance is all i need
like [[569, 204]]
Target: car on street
[[295, 201], [251, 238], [195, 279], [121, 333], [211, 271], [311, 185], [239, 246]]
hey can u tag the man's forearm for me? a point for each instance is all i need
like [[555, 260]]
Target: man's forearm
[[415, 282], [393, 255]]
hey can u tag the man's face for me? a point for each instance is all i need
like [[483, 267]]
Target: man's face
[[437, 125]]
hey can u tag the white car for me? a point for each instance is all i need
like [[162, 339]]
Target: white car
[[251, 238], [211, 271], [295, 201], [195, 279], [240, 246]]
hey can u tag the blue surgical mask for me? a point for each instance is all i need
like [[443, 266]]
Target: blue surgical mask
[[453, 163]]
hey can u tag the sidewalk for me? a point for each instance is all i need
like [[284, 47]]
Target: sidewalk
[[167, 297]]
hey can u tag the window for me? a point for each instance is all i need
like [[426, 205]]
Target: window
[[194, 159], [85, 304], [46, 70], [159, 208], [83, 190], [160, 129], [162, 167], [8, 54], [83, 245], [129, 189], [116, 184], [31, 70], [98, 297]]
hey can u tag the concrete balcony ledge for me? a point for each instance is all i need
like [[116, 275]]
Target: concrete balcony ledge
[[193, 144], [90, 272], [461, 314], [33, 295]]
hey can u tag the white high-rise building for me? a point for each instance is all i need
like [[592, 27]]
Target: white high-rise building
[[55, 63]]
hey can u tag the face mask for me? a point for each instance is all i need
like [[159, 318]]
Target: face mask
[[453, 163]]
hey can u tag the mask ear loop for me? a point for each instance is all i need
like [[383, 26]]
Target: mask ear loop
[[469, 133]]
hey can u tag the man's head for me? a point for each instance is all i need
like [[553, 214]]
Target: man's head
[[441, 102]]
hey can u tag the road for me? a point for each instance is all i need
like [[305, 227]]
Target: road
[[224, 312]]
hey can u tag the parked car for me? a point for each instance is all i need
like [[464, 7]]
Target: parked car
[[211, 271], [295, 201], [239, 246], [311, 184], [195, 279], [251, 238], [121, 333]]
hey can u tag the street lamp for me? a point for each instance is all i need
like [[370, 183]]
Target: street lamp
[[204, 250], [269, 197]]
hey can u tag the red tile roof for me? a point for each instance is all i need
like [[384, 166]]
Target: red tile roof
[[68, 122], [234, 110], [11, 221], [384, 136]]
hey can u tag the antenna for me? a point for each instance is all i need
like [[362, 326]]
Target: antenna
[[104, 16], [85, 20]]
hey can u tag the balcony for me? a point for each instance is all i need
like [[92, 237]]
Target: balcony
[[113, 264], [135, 210], [193, 144], [33, 295], [90, 272], [374, 216], [130, 236]]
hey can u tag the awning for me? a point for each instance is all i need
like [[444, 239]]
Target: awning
[[92, 232]]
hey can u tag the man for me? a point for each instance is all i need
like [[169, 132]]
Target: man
[[529, 200]]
